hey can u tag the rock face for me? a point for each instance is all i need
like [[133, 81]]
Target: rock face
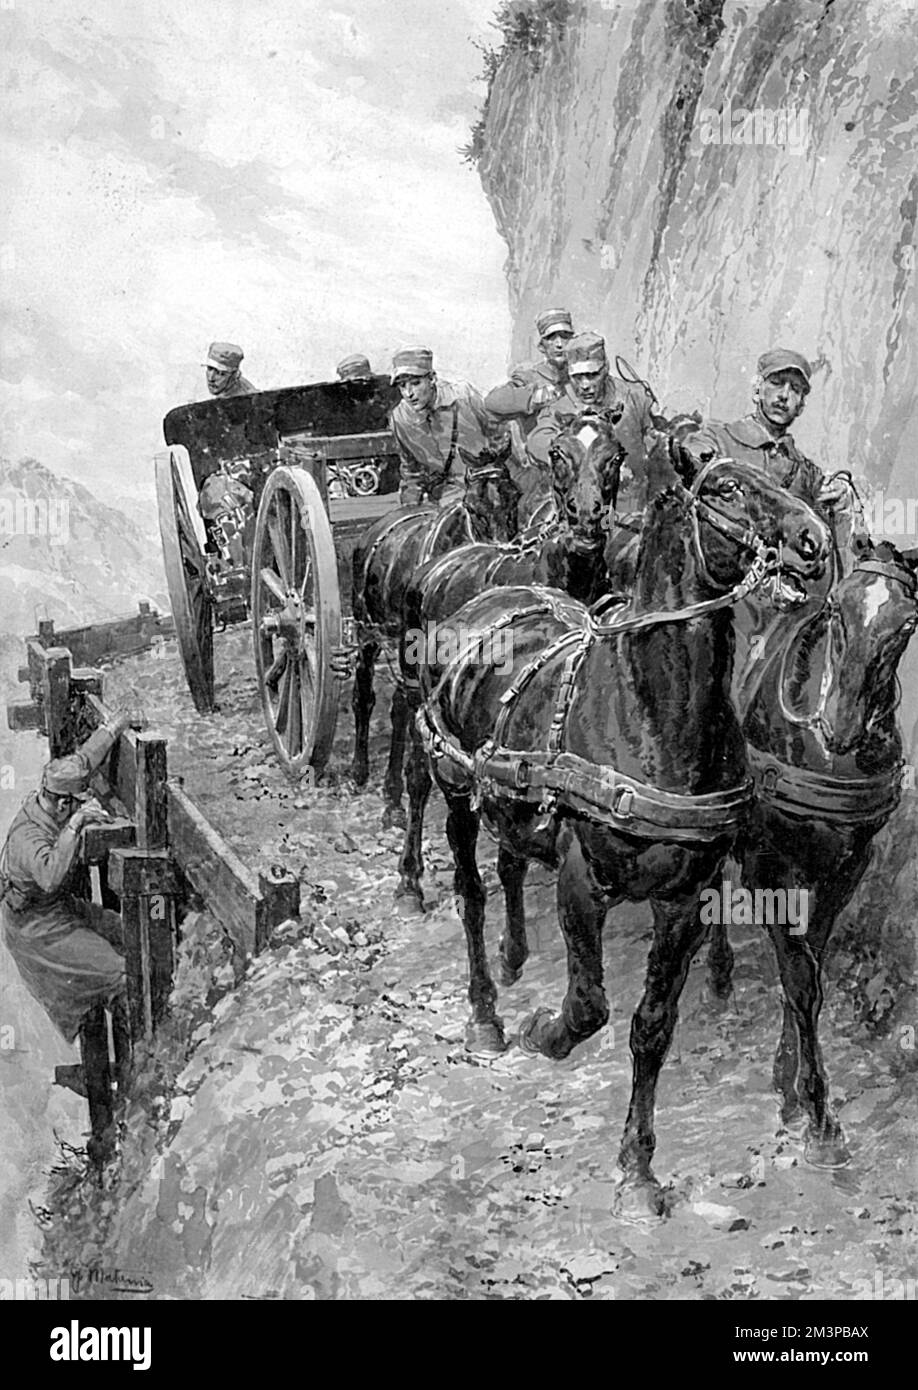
[[628, 185]]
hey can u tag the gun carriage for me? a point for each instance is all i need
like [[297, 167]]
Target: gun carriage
[[261, 498]]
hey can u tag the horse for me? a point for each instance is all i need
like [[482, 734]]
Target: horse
[[609, 748], [384, 559], [825, 753], [565, 550]]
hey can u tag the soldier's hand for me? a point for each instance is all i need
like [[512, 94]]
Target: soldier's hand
[[91, 813], [835, 492], [341, 662], [127, 717]]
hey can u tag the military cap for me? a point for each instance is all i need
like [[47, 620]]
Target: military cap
[[552, 319], [224, 356], [784, 360], [67, 776], [585, 353], [351, 368], [412, 361]]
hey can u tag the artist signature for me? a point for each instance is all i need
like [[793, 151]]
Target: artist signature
[[118, 1280]]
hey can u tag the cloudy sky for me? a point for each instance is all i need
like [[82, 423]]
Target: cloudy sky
[[282, 174]]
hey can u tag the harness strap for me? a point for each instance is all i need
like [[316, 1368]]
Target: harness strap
[[596, 790], [799, 791]]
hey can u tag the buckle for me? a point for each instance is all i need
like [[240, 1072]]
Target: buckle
[[521, 777], [770, 779], [622, 801]]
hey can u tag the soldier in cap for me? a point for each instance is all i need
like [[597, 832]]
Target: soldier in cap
[[68, 950], [354, 368], [592, 388], [763, 439], [779, 391], [223, 375], [532, 385], [433, 424]]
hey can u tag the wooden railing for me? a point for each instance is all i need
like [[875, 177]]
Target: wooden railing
[[156, 847]]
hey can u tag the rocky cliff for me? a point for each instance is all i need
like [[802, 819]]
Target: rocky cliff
[[703, 179]]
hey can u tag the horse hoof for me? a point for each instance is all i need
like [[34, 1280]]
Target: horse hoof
[[532, 1031], [409, 902], [507, 974], [828, 1151], [359, 774], [485, 1039], [394, 818], [640, 1202]]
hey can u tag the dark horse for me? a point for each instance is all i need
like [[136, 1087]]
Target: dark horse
[[825, 753], [611, 749], [384, 560], [566, 551]]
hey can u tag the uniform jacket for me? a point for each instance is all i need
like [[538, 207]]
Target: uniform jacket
[[429, 462], [633, 429], [748, 441], [511, 401], [39, 857], [239, 387]]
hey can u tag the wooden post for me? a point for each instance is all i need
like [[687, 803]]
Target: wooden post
[[59, 724], [98, 1079], [280, 899]]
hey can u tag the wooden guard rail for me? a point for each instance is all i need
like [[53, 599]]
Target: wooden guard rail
[[157, 846]]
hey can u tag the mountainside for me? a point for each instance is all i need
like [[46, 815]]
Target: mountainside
[[701, 180], [66, 555]]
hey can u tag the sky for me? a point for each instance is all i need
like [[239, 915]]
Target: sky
[[284, 175]]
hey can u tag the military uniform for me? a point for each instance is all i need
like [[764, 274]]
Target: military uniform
[[748, 441], [519, 402], [226, 357], [67, 950], [431, 441]]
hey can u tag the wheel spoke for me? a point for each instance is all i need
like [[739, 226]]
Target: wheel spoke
[[272, 582], [283, 703], [295, 727], [281, 548]]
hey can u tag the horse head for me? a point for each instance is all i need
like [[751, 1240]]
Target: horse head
[[746, 525], [837, 675], [586, 460], [491, 497]]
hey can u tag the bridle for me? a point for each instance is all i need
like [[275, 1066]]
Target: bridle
[[766, 562]]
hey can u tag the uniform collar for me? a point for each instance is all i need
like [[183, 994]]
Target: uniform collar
[[752, 433], [36, 813]]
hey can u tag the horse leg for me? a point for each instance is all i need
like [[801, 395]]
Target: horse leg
[[800, 971], [582, 910], [362, 701], [678, 933], [394, 786], [484, 1032], [720, 963], [513, 948], [411, 860]]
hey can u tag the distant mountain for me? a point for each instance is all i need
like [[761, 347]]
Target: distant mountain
[[66, 555]]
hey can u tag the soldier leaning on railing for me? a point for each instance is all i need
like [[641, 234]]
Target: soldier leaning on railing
[[68, 950]]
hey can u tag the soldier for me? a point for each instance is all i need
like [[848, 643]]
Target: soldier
[[68, 950], [763, 438], [592, 387], [432, 422], [223, 375], [355, 368], [532, 385]]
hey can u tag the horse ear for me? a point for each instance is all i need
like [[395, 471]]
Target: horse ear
[[684, 462], [911, 559]]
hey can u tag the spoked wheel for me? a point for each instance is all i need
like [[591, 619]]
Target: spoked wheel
[[187, 578], [296, 615]]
